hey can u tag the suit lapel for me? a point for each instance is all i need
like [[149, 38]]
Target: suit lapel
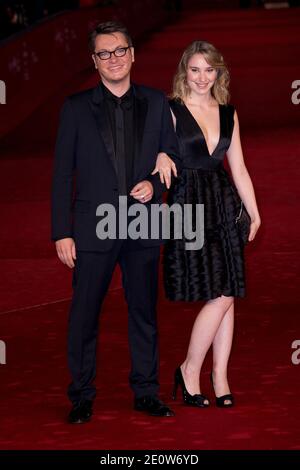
[[102, 122]]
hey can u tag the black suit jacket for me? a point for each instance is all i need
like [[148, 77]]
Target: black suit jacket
[[85, 165]]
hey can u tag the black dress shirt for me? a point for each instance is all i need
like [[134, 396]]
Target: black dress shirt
[[121, 116]]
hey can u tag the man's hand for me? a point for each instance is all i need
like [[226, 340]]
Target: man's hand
[[142, 191], [66, 251], [165, 166]]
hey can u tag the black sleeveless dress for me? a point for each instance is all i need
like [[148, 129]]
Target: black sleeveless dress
[[218, 267]]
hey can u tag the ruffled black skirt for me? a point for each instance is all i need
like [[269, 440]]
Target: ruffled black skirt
[[218, 267]]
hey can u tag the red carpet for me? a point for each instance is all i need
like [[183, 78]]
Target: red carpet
[[261, 48]]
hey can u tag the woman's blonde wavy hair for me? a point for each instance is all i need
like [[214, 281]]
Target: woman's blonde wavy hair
[[220, 89]]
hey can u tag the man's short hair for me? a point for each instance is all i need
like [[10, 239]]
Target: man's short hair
[[109, 27]]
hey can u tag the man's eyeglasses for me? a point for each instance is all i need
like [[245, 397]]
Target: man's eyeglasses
[[119, 52]]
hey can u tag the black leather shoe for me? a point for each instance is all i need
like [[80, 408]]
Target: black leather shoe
[[81, 412], [153, 406]]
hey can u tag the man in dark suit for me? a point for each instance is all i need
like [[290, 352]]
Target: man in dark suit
[[108, 141]]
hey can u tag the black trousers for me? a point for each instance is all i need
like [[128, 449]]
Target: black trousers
[[91, 278]]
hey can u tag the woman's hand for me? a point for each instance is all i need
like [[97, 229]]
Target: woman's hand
[[165, 166], [255, 224]]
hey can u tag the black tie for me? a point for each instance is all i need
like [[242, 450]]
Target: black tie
[[120, 149]]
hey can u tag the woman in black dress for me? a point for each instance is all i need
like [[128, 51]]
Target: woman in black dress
[[207, 128]]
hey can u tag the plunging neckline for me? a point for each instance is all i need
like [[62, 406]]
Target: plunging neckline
[[199, 127]]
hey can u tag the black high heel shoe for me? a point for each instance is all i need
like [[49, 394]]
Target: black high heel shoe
[[220, 401], [191, 400]]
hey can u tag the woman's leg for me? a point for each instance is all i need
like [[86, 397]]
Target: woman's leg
[[204, 331], [221, 351]]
